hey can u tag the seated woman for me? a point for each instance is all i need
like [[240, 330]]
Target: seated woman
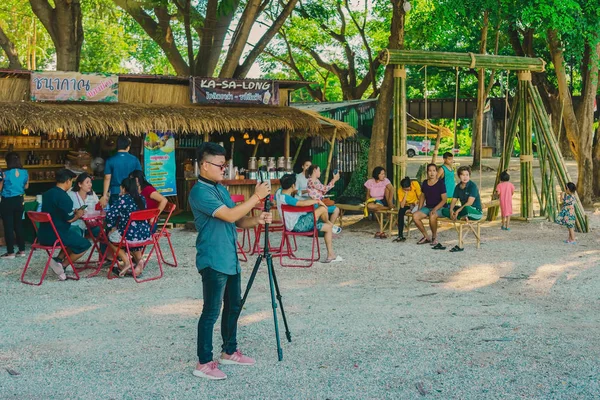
[[82, 195], [408, 200], [317, 191], [381, 190], [117, 218], [153, 198]]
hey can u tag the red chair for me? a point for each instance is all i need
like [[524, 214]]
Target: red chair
[[240, 198], [139, 216], [45, 218], [164, 232], [287, 233]]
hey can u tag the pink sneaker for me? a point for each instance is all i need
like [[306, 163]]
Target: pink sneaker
[[236, 358], [210, 370]]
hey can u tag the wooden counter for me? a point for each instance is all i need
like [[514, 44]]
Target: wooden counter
[[246, 186]]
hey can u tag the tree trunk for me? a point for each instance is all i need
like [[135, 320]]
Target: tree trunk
[[381, 121], [481, 95], [239, 39], [10, 50], [569, 118], [64, 24], [596, 161], [585, 117]]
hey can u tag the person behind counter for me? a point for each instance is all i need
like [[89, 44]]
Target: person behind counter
[[117, 168], [13, 183]]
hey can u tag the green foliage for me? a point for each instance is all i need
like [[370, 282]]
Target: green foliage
[[21, 26], [356, 186]]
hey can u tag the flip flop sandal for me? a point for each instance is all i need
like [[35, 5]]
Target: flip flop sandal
[[456, 249], [399, 239], [378, 235], [424, 241], [383, 236], [434, 242], [439, 247]]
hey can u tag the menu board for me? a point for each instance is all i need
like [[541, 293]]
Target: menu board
[[159, 161]]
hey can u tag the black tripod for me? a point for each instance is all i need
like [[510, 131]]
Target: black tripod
[[274, 286]]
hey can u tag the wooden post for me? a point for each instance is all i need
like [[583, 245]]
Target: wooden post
[[525, 133], [286, 145], [206, 137], [330, 156], [399, 126]]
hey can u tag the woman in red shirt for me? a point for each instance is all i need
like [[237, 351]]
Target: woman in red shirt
[[153, 198]]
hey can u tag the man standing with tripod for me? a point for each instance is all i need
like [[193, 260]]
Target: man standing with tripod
[[216, 217]]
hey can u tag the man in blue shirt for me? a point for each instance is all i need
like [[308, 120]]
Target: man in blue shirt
[[117, 168], [59, 205], [216, 217]]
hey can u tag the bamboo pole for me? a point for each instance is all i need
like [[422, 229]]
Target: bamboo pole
[[399, 125], [557, 161], [286, 145], [462, 60], [298, 151], [525, 133], [330, 156]]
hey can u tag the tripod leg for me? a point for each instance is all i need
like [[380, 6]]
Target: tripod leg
[[248, 287], [288, 335], [274, 305]]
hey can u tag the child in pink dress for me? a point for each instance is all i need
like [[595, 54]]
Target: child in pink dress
[[505, 191]]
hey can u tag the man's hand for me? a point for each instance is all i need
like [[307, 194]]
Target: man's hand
[[265, 218], [321, 204], [79, 213], [262, 190]]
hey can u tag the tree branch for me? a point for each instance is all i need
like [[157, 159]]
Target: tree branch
[[242, 70], [10, 50]]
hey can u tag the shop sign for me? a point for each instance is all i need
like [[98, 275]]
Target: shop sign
[[74, 86], [234, 91], [159, 161]]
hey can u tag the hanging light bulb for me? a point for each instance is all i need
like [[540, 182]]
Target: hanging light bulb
[[60, 130], [260, 136], [248, 141], [267, 140], [25, 131], [232, 139], [246, 136], [253, 141]]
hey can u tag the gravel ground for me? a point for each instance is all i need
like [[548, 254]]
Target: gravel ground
[[516, 319]]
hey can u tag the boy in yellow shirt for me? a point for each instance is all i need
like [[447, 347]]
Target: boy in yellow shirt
[[408, 198]]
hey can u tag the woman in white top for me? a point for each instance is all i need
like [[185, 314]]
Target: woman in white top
[[82, 194], [302, 181]]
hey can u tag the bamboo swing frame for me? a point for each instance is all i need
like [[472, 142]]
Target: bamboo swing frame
[[528, 116]]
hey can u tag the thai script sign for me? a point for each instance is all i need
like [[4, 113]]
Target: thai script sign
[[228, 91], [74, 86], [159, 162]]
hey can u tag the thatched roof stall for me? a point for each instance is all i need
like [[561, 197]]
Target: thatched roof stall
[[85, 119], [151, 102]]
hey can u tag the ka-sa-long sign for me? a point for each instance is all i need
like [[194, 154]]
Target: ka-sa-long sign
[[236, 91]]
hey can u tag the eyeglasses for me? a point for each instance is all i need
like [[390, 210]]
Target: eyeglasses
[[222, 166]]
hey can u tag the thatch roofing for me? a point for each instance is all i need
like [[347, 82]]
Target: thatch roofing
[[83, 119]]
